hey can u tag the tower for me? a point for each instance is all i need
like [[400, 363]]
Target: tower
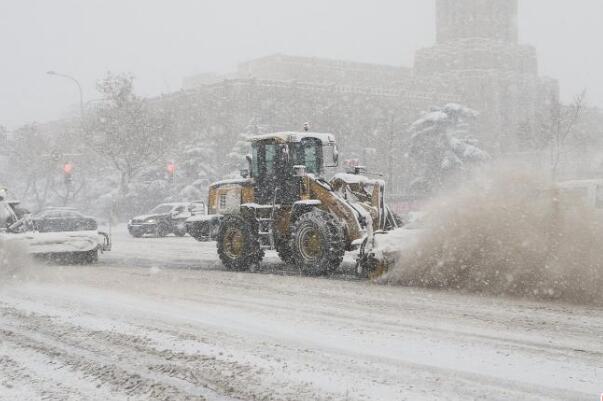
[[478, 59], [469, 19]]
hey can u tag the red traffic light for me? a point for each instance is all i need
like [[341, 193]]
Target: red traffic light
[[68, 168], [171, 168]]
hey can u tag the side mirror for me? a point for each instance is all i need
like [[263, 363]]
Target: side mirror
[[330, 155]]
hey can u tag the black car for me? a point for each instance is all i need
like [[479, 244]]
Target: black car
[[167, 218], [62, 220]]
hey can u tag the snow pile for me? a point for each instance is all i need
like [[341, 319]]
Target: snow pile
[[13, 260], [508, 232]]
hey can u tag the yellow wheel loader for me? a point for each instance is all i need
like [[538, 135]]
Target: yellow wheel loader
[[286, 205]]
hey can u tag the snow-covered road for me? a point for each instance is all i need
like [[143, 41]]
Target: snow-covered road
[[159, 319]]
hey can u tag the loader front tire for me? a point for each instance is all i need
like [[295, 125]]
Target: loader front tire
[[238, 244], [317, 243]]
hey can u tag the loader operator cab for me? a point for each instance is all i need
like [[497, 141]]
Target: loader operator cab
[[276, 160]]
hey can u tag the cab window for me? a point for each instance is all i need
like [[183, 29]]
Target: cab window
[[310, 158], [264, 159], [307, 153]]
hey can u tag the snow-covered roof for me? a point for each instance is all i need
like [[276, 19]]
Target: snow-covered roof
[[233, 181], [175, 204], [354, 179], [292, 136]]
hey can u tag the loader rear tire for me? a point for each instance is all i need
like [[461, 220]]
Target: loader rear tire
[[317, 243], [238, 243]]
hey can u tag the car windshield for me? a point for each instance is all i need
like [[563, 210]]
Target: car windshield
[[57, 213], [162, 209]]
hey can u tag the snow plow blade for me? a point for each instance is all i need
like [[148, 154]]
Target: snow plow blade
[[72, 242], [374, 260]]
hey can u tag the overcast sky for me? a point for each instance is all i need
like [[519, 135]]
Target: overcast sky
[[161, 41]]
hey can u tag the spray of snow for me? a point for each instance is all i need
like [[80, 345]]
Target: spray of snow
[[508, 232]]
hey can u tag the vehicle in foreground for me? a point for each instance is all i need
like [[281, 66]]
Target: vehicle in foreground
[[286, 205], [165, 219], [58, 234], [60, 219]]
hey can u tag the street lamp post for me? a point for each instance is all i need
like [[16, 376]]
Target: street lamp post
[[79, 87]]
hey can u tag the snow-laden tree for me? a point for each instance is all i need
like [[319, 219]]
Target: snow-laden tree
[[125, 131], [237, 155], [198, 161], [236, 158], [441, 147]]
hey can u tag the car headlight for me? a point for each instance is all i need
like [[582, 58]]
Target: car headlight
[[150, 221]]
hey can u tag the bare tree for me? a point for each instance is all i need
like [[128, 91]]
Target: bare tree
[[560, 127], [124, 130], [33, 173]]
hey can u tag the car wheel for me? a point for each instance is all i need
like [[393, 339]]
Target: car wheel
[[162, 230], [82, 258], [91, 257]]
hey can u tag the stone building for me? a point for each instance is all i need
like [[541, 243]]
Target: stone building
[[476, 60]]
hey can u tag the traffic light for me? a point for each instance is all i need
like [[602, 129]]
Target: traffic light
[[171, 170], [67, 173]]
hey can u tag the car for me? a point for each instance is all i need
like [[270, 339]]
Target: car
[[165, 219], [62, 219]]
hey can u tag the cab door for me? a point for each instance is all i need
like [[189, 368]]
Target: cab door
[[267, 163]]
